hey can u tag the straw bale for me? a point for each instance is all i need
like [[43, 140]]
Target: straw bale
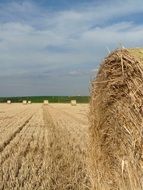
[[24, 102], [8, 101], [116, 122], [73, 102], [46, 102]]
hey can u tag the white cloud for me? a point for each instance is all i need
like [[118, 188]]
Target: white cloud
[[26, 32]]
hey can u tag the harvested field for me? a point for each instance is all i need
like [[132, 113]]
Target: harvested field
[[44, 147]]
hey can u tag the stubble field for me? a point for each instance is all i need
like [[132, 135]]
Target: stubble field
[[44, 147]]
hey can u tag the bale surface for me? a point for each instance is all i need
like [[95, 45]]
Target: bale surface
[[116, 122], [46, 102], [8, 101], [24, 102], [73, 102]]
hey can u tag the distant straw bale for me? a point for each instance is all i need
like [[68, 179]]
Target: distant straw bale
[[73, 102], [46, 102], [116, 122], [8, 101], [29, 102], [24, 102]]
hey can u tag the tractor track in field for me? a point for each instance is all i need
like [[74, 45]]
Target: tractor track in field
[[23, 154], [25, 149], [56, 154], [16, 115], [12, 147], [10, 123], [7, 142], [44, 148], [67, 170], [71, 116], [20, 157]]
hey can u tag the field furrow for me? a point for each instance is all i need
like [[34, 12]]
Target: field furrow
[[68, 158], [79, 112], [7, 121], [18, 151], [9, 132], [13, 135], [43, 148]]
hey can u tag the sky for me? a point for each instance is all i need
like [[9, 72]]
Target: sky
[[54, 47]]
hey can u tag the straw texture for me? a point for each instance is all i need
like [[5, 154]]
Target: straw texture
[[116, 122]]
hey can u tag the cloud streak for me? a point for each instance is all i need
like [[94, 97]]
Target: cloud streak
[[36, 38]]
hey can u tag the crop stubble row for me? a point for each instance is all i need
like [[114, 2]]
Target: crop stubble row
[[43, 149]]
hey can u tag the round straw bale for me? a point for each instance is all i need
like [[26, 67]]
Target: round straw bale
[[46, 102], [24, 102], [116, 122], [8, 101], [73, 102], [29, 102]]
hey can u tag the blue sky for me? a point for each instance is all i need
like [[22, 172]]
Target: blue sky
[[54, 47]]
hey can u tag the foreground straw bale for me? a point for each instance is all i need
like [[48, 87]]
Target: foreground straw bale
[[116, 116]]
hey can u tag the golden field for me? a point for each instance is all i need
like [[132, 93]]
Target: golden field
[[44, 147]]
